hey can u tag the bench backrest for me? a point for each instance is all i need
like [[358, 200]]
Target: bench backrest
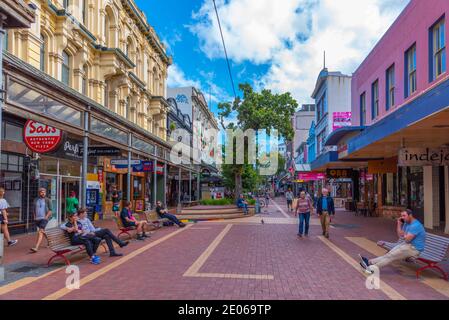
[[435, 248], [57, 238], [118, 221]]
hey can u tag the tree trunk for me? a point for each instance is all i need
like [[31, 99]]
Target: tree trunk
[[238, 185]]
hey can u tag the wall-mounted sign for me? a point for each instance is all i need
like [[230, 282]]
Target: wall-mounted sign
[[383, 166], [124, 162], [341, 119], [98, 151], [69, 149], [312, 176], [422, 157], [41, 138], [339, 173]]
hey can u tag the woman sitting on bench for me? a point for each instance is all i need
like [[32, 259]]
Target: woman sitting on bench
[[75, 231]]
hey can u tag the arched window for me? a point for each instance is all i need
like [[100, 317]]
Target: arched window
[[42, 53], [85, 82], [65, 77]]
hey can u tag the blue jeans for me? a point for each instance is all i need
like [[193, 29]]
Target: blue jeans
[[245, 208], [171, 217], [304, 217]]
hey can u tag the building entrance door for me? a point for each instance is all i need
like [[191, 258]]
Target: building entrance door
[[58, 189]]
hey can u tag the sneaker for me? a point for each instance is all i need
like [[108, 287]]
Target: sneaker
[[300, 235], [115, 254], [123, 244], [182, 225], [12, 243], [95, 261], [365, 260], [363, 265], [33, 250], [140, 238], [145, 235]]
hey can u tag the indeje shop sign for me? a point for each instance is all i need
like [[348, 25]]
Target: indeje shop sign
[[423, 157], [41, 138]]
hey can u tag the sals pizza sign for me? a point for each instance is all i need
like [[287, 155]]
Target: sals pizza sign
[[41, 138]]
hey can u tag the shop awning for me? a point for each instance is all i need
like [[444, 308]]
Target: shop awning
[[336, 136], [329, 160], [422, 122]]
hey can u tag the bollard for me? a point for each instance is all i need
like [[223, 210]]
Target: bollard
[[2, 269]]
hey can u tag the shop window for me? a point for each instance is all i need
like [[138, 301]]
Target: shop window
[[111, 180], [10, 162], [12, 182], [12, 132], [137, 188]]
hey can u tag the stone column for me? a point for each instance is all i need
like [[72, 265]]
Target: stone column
[[431, 197]]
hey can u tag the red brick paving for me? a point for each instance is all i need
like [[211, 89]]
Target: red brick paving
[[302, 269]]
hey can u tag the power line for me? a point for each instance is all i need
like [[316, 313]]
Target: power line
[[225, 51]]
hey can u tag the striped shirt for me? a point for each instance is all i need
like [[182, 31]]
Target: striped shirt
[[303, 205]]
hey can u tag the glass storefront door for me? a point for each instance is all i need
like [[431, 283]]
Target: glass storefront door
[[58, 189]]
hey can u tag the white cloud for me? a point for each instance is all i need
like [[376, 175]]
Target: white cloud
[[291, 35], [177, 78]]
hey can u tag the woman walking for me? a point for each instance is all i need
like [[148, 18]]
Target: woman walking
[[304, 208]]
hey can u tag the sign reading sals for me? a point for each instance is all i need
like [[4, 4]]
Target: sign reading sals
[[41, 138], [422, 157]]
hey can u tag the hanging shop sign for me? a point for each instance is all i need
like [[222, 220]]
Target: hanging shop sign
[[312, 176], [383, 166], [423, 157], [339, 173], [69, 149], [41, 138]]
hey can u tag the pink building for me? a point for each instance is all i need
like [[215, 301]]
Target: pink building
[[411, 30], [400, 118]]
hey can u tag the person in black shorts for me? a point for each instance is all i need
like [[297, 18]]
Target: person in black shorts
[[129, 221], [163, 213], [42, 209]]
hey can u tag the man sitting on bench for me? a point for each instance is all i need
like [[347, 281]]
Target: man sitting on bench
[[412, 242], [129, 221], [163, 213], [102, 233], [242, 204], [77, 237]]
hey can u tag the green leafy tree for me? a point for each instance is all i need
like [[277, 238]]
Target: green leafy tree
[[258, 111]]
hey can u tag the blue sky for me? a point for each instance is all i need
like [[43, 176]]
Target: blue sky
[[272, 44]]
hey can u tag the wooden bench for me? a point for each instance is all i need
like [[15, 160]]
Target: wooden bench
[[153, 219], [60, 244], [122, 228], [434, 253]]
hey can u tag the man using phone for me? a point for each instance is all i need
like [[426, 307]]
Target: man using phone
[[412, 238]]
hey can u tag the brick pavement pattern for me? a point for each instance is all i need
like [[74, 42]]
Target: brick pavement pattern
[[298, 268]]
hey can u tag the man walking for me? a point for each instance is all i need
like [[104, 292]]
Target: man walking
[[412, 239], [289, 196], [325, 209], [42, 210]]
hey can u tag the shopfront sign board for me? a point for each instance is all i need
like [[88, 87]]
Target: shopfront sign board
[[423, 157]]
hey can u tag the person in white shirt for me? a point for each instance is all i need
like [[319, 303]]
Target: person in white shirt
[[4, 218]]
